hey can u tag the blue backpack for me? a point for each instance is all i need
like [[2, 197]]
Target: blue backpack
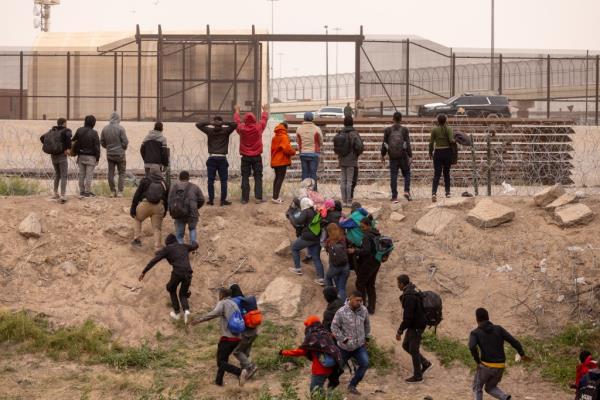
[[235, 323], [327, 360]]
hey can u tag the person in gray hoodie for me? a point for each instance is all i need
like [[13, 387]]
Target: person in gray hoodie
[[351, 328], [154, 150], [228, 341], [348, 152], [114, 139]]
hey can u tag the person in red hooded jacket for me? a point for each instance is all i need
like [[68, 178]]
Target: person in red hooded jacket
[[251, 148], [586, 364], [281, 158]]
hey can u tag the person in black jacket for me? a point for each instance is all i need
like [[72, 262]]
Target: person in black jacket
[[149, 201], [307, 240], [413, 322], [87, 148], [367, 266], [217, 134], [400, 158], [486, 344], [59, 161], [154, 150], [178, 255], [334, 303]]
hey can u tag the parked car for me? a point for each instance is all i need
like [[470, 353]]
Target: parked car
[[469, 105], [330, 112]]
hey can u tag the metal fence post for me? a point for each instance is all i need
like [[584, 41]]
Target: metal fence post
[[489, 164], [255, 45], [548, 87], [500, 74], [115, 77], [357, 47], [597, 85], [68, 85], [21, 85], [474, 167], [159, 75], [139, 74], [209, 69], [407, 78]]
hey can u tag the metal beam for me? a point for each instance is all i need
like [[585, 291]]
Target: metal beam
[[259, 37], [139, 73], [500, 74], [256, 71], [21, 86], [597, 86], [209, 69], [68, 85], [407, 78], [159, 75], [357, 48], [548, 81], [115, 78]]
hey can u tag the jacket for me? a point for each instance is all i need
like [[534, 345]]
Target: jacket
[[306, 217], [351, 328], [316, 367], [442, 137], [87, 142], [178, 255], [113, 137], [490, 338], [309, 138], [195, 197], [65, 136], [154, 149], [281, 148], [333, 216], [332, 307], [356, 144], [413, 316], [217, 136], [584, 368], [251, 133], [224, 309], [140, 194], [386, 141]]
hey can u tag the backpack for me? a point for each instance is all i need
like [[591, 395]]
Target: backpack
[[155, 191], [53, 143], [591, 390], [338, 254], [235, 323], [315, 225], [384, 245], [252, 315], [396, 144], [179, 206], [342, 145], [326, 360], [432, 308]]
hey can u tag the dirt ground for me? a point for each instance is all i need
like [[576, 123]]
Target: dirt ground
[[94, 235]]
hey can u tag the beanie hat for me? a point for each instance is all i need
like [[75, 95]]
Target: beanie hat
[[311, 319], [308, 116]]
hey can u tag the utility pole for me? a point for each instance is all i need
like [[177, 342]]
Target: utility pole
[[271, 55], [326, 66], [41, 9], [492, 85], [337, 78]]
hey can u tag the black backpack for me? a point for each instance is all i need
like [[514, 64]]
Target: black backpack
[[155, 191], [396, 142], [53, 143], [432, 308], [342, 145], [384, 245], [338, 254], [591, 391], [179, 205]]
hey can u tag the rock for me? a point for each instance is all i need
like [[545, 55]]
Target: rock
[[53, 213], [69, 268], [219, 222], [284, 249], [548, 195], [121, 230], [573, 214], [216, 238], [31, 226], [396, 207], [488, 214], [375, 211], [504, 268], [563, 200], [127, 210], [32, 241], [282, 296], [433, 222], [560, 298], [455, 202], [580, 194], [397, 217]]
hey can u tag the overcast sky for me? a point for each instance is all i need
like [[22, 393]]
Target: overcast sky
[[539, 24]]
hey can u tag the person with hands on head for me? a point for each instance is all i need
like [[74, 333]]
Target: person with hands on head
[[178, 255]]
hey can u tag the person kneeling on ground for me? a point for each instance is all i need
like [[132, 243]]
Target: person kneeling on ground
[[242, 351], [149, 201], [178, 255], [586, 363], [229, 341], [319, 347]]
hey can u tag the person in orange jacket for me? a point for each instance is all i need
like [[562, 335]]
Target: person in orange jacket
[[319, 347], [281, 158]]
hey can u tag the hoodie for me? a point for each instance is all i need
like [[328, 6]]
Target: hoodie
[[490, 338], [154, 149], [140, 193], [113, 138], [281, 148], [87, 142], [413, 316], [356, 146], [223, 310], [309, 138], [178, 255], [334, 303], [351, 328], [317, 340], [217, 136], [250, 132], [194, 198], [584, 368]]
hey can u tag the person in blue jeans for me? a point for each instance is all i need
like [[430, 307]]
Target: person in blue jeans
[[194, 199], [309, 139], [339, 265], [308, 240], [351, 328]]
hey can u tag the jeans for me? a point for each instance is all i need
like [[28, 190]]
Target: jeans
[[224, 350], [442, 160], [216, 165], [252, 165], [366, 275], [354, 182], [310, 164], [362, 358], [180, 229], [175, 281], [120, 163], [242, 351], [278, 181], [347, 175], [61, 172], [488, 378], [411, 344], [87, 164], [403, 166], [339, 277], [314, 250], [317, 382], [156, 213]]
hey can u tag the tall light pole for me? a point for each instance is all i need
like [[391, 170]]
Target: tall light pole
[[326, 66], [337, 78], [492, 55], [271, 56]]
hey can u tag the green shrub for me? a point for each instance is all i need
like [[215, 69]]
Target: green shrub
[[101, 188], [379, 357], [15, 186], [448, 350], [274, 337]]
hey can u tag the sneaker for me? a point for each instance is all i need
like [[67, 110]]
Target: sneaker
[[136, 243], [277, 201], [82, 195], [296, 271], [259, 201], [119, 195], [56, 196], [114, 194], [353, 390], [407, 196], [414, 379], [175, 316], [320, 282], [251, 371], [90, 194], [243, 377], [225, 203], [448, 195], [210, 203], [244, 201], [425, 367], [186, 316], [394, 200], [62, 199], [433, 198]]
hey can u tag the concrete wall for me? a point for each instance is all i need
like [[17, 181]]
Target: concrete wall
[[586, 156]]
